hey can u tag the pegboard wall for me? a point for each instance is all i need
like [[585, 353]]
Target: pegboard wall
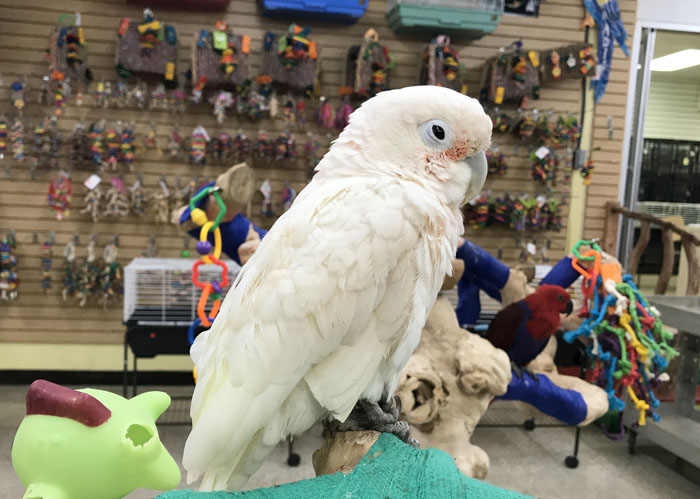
[[25, 28]]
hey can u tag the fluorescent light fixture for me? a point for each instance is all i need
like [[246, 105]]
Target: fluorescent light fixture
[[678, 60]]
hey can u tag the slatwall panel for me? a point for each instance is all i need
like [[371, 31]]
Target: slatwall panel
[[24, 31], [673, 109], [606, 178]]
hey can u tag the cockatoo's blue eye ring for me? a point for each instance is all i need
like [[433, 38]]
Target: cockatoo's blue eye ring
[[436, 134]]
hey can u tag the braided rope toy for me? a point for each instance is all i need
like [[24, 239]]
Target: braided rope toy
[[628, 343]]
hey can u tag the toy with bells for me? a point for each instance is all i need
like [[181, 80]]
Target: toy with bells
[[627, 340]]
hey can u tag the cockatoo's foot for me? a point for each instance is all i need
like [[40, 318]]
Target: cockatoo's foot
[[382, 417], [519, 371]]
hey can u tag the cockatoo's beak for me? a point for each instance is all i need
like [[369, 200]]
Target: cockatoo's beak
[[477, 165]]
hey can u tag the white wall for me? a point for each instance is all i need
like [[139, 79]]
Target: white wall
[[681, 12], [673, 109]]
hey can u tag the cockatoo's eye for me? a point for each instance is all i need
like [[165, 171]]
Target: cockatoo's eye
[[436, 134]]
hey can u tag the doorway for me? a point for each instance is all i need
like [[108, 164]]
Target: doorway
[[663, 173]]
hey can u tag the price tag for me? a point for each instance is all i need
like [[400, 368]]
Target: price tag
[[542, 152], [531, 248], [92, 181], [220, 40]]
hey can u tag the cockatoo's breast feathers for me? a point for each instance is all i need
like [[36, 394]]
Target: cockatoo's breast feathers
[[425, 132]]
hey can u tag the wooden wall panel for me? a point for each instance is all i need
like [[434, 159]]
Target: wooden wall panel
[[606, 178], [24, 31]]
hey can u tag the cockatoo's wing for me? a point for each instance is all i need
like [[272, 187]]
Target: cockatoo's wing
[[326, 300]]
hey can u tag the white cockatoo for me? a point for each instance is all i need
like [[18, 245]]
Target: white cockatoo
[[330, 307]]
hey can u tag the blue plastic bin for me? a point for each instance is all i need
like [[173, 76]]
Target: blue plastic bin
[[343, 11]]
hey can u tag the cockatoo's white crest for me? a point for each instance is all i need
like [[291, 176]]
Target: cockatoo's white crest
[[394, 134], [330, 307]]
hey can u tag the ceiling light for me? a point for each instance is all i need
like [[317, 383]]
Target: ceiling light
[[678, 60]]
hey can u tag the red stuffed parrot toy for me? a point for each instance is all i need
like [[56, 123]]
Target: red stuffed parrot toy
[[523, 328]]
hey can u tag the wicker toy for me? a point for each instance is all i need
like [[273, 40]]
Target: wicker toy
[[220, 57], [441, 65], [67, 49], [148, 47], [570, 62], [367, 66], [511, 76], [290, 59]]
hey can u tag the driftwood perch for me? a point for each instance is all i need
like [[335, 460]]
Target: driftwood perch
[[448, 384]]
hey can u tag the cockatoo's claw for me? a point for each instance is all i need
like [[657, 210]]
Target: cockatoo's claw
[[382, 417], [519, 371]]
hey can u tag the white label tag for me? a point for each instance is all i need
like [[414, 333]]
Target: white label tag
[[92, 181], [542, 152], [163, 186], [531, 248]]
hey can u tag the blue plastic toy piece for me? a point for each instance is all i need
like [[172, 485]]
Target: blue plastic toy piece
[[481, 271], [343, 11], [562, 274], [565, 405], [233, 232]]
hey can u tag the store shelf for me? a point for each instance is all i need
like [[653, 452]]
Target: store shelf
[[681, 312], [678, 434]]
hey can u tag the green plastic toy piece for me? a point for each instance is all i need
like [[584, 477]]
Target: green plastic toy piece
[[222, 206], [91, 449], [391, 469], [583, 242]]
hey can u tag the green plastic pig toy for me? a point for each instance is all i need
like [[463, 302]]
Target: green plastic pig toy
[[91, 444]]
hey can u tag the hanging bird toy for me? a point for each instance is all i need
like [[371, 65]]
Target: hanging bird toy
[[3, 136], [149, 138], [628, 344], [198, 146], [17, 89], [127, 147], [70, 272], [60, 192], [9, 282], [17, 138], [46, 264]]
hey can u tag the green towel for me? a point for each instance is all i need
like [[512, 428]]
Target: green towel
[[391, 469]]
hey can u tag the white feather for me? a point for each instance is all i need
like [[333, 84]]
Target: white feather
[[330, 307]]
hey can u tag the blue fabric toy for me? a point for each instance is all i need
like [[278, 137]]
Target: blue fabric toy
[[233, 232]]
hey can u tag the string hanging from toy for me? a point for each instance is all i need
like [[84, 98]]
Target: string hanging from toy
[[208, 255], [628, 344]]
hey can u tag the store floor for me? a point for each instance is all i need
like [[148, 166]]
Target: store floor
[[529, 462]]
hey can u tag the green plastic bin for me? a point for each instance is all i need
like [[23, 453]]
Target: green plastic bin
[[471, 18]]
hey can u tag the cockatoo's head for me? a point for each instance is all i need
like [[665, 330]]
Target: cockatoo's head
[[431, 135]]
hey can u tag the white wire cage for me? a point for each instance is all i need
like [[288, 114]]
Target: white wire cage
[[689, 211], [487, 5], [160, 292]]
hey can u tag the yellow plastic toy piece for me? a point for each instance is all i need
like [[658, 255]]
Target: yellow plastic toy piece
[[198, 216], [217, 241]]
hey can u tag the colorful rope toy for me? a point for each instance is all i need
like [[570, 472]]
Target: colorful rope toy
[[628, 343]]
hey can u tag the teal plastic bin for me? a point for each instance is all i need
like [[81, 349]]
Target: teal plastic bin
[[471, 18]]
